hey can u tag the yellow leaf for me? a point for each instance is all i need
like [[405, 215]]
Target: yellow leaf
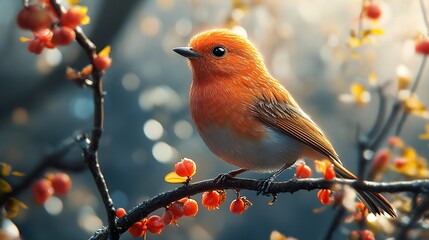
[[5, 169], [5, 186], [24, 39], [372, 78], [321, 165], [354, 42], [105, 51], [425, 136], [73, 2], [86, 20], [377, 31], [409, 153], [17, 173], [12, 207], [172, 177]]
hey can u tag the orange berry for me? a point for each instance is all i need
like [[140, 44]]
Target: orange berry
[[63, 36], [185, 168], [61, 183], [190, 208], [102, 62], [34, 18], [396, 141], [36, 46], [120, 212], [237, 206], [400, 162], [329, 172], [303, 171], [211, 200], [422, 47], [324, 196], [137, 229], [361, 235], [73, 17], [373, 11], [177, 209], [42, 191], [168, 217], [155, 224]]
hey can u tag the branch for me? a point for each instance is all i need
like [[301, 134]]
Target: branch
[[52, 160], [90, 151], [291, 186]]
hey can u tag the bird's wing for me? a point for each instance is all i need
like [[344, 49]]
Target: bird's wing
[[296, 124]]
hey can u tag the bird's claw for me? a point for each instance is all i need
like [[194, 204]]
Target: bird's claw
[[264, 185], [221, 178]]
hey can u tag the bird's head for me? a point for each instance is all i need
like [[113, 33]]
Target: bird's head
[[221, 53]]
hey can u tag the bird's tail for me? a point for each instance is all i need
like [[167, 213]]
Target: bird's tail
[[375, 202]]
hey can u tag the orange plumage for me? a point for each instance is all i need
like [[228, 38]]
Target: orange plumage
[[247, 118]]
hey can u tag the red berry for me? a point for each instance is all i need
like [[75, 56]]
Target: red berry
[[155, 224], [102, 62], [185, 168], [422, 47], [237, 206], [34, 18], [361, 235], [73, 17], [177, 209], [211, 200], [373, 11], [120, 212], [36, 46], [400, 162], [303, 171], [42, 191], [329, 172], [137, 230], [61, 183], [63, 36], [324, 196], [190, 208], [381, 160]]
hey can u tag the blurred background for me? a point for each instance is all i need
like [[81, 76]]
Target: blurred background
[[147, 123]]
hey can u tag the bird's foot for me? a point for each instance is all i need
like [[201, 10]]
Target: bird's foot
[[264, 185], [221, 178]]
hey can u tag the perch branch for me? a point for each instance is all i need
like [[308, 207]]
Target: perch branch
[[291, 186]]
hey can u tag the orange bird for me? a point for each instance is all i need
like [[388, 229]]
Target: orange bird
[[248, 119]]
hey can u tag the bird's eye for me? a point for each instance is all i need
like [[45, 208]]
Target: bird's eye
[[218, 52]]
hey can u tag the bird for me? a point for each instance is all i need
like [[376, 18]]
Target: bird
[[248, 118]]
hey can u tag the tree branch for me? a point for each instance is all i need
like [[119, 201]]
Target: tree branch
[[291, 186], [90, 152], [52, 160]]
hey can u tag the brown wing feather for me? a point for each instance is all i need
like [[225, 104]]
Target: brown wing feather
[[293, 122]]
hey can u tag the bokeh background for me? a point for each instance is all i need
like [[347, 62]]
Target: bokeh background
[[148, 127]]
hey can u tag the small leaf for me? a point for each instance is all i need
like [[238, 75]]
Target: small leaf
[[105, 51], [17, 173], [172, 177], [5, 186], [12, 207], [5, 169]]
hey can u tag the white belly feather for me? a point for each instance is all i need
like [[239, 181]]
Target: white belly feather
[[266, 155]]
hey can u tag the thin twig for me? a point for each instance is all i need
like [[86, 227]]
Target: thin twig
[[52, 160], [336, 222], [161, 200], [91, 152]]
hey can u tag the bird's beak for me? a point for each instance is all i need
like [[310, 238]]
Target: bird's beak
[[187, 52]]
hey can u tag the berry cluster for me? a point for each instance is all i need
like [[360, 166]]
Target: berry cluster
[[52, 29], [54, 183]]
